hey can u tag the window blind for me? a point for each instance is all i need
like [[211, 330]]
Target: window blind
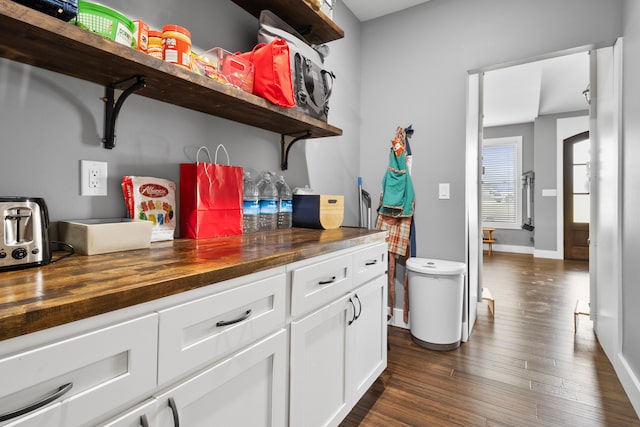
[[501, 182]]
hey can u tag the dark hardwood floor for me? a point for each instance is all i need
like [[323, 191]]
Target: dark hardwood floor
[[525, 367]]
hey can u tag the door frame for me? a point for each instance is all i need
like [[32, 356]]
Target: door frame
[[473, 212], [473, 238]]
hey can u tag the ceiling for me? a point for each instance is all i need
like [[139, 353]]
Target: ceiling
[[515, 94], [371, 9], [521, 93]]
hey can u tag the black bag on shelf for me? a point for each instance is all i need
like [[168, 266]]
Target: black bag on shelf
[[312, 83], [65, 10]]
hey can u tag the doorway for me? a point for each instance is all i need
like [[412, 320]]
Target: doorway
[[538, 87], [605, 192], [577, 198]]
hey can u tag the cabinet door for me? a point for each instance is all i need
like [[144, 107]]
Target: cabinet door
[[369, 336], [142, 415], [102, 369], [319, 388], [195, 334], [246, 389], [316, 285]]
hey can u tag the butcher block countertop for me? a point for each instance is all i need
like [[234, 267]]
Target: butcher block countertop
[[79, 286]]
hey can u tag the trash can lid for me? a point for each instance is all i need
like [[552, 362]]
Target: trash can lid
[[435, 266]]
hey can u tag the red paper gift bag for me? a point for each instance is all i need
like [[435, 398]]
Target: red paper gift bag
[[210, 198]]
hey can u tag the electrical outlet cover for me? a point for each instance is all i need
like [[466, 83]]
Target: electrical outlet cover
[[93, 178]]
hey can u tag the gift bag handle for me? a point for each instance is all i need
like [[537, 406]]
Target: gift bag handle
[[206, 150], [225, 152]]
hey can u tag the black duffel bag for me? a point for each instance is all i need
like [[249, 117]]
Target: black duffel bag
[[312, 82]]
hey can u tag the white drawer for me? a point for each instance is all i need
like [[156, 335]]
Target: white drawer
[[107, 368], [199, 332], [319, 284], [134, 417], [369, 263]]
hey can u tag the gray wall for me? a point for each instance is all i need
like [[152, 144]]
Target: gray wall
[[415, 66], [50, 122], [525, 130], [334, 163], [630, 181]]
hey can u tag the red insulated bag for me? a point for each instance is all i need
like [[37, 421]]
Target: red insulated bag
[[272, 66]]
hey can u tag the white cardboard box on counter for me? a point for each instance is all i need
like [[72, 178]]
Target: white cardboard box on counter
[[99, 236]]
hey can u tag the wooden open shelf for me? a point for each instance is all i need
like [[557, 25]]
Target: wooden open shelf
[[316, 27], [31, 37]]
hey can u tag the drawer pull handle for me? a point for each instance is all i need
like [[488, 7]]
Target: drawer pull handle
[[53, 396], [245, 316], [354, 311], [326, 282], [174, 412], [374, 262], [143, 421], [359, 311]]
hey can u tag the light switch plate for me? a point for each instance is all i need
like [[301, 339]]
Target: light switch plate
[[443, 191]]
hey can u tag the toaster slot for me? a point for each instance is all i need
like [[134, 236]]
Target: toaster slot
[[18, 225]]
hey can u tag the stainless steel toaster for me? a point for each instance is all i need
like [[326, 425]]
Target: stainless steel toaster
[[24, 236]]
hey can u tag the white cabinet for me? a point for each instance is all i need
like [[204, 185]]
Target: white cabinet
[[222, 358], [143, 415], [318, 283], [368, 337], [196, 333], [51, 415], [340, 349], [246, 389], [218, 355], [319, 364], [369, 263], [92, 373]]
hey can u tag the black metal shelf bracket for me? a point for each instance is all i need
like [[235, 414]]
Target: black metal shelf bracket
[[286, 142], [112, 107]]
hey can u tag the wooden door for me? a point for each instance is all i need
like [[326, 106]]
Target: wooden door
[[576, 197]]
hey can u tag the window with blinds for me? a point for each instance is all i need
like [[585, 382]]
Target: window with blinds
[[501, 195]]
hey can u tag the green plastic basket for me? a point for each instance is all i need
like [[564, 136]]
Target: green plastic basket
[[107, 22]]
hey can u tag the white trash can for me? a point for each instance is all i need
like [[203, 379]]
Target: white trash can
[[436, 290]]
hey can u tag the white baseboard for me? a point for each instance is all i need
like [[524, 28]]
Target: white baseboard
[[629, 381], [548, 254], [396, 320], [537, 253], [516, 249]]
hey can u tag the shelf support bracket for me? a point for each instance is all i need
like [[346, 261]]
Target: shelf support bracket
[[112, 107], [286, 142]]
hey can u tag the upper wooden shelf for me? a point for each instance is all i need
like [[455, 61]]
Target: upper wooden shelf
[[31, 37], [316, 27]]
